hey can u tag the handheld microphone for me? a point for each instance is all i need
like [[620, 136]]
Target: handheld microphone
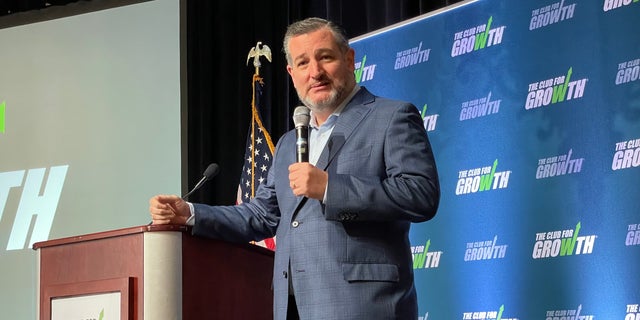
[[301, 117], [211, 171]]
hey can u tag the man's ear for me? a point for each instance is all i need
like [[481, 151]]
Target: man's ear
[[350, 56]]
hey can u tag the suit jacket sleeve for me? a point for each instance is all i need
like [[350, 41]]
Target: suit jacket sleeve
[[249, 221]]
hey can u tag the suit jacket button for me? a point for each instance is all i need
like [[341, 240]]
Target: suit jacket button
[[295, 224]]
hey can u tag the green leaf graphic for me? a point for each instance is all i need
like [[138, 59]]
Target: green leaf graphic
[[2, 107]]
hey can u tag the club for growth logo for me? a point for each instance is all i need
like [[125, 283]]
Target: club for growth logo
[[573, 314], [411, 57], [627, 155], [615, 4], [487, 315], [482, 179], [423, 258], [479, 107], [476, 38], [554, 90], [551, 14], [485, 250], [561, 243], [429, 120], [364, 72]]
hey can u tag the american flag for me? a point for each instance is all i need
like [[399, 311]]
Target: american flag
[[257, 156]]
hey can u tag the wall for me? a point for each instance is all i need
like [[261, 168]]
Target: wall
[[533, 111]]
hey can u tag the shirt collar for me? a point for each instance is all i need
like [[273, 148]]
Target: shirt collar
[[334, 116]]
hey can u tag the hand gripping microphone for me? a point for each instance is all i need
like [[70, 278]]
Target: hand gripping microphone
[[301, 119], [211, 171]]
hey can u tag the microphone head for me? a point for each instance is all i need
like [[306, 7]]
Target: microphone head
[[211, 171], [301, 116]]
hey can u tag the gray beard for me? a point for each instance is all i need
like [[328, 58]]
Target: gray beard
[[324, 105]]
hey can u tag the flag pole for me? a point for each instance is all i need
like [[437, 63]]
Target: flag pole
[[260, 148], [260, 50]]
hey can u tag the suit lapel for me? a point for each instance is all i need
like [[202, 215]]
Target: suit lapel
[[350, 118], [352, 115]]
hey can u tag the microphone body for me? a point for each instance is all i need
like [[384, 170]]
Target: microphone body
[[301, 118], [302, 144], [211, 171]]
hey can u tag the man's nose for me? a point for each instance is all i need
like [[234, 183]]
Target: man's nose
[[315, 69]]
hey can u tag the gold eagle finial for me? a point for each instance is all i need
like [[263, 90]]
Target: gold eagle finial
[[257, 51]]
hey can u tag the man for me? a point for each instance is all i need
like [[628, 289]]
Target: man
[[342, 219]]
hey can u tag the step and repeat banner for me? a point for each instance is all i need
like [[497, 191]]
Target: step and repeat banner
[[533, 111]]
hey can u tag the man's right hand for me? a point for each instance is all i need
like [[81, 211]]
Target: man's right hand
[[169, 209]]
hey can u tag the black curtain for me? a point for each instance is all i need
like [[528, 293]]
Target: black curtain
[[219, 36]]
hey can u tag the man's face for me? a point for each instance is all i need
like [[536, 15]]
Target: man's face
[[321, 73]]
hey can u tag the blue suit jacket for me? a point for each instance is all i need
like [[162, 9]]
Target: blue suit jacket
[[349, 257]]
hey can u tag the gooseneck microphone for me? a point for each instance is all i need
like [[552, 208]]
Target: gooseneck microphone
[[211, 171], [301, 117]]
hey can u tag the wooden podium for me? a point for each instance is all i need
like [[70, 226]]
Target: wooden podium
[[160, 272]]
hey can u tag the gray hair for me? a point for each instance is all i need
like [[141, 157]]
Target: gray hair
[[310, 25]]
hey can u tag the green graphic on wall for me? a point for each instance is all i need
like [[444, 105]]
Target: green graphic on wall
[[2, 107]]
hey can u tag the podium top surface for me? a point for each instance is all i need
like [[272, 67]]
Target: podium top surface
[[130, 231], [108, 234]]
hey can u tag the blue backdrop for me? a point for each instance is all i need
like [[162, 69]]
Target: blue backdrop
[[533, 111]]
